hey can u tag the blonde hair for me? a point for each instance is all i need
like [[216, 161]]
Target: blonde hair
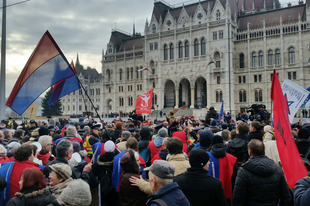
[[2, 150]]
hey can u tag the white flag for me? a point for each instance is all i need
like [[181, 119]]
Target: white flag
[[295, 96]]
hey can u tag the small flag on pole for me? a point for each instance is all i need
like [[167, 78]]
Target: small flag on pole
[[210, 62], [144, 68], [221, 111]]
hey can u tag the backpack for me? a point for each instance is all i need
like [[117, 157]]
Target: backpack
[[106, 181], [145, 154]]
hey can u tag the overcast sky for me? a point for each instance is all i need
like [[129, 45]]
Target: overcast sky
[[78, 26]]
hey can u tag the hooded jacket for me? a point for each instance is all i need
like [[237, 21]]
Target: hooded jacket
[[130, 195], [239, 148], [182, 136], [302, 191], [261, 182]]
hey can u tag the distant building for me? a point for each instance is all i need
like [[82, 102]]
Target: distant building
[[77, 103], [246, 39]]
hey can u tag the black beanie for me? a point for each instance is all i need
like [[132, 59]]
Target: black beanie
[[145, 133], [198, 158], [303, 133], [217, 139], [43, 131]]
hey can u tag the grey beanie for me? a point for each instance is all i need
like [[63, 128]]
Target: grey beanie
[[77, 193], [163, 132]]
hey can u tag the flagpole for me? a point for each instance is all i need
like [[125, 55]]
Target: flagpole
[[3, 54]]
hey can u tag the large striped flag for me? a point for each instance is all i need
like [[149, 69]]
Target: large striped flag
[[46, 66], [64, 87], [293, 167]]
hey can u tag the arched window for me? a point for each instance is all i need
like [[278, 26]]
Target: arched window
[[254, 59], [241, 60], [152, 65], [120, 74], [68, 107], [153, 28], [218, 15], [203, 46], [291, 55], [278, 57], [218, 96], [196, 47], [171, 51], [270, 57], [165, 52], [242, 96], [131, 73], [261, 59], [217, 59], [137, 72], [258, 95], [73, 108], [186, 49], [121, 101], [128, 73], [180, 50], [130, 102], [154, 100]]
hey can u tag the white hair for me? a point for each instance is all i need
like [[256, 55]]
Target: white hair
[[267, 128], [2, 150], [45, 140], [159, 180]]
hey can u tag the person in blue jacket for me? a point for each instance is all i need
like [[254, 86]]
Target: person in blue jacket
[[302, 191]]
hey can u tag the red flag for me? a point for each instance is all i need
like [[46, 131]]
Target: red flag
[[144, 103], [293, 167]]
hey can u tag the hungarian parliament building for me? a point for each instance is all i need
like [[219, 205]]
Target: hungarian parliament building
[[199, 54]]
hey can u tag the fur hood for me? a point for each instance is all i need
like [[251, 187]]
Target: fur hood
[[32, 194]]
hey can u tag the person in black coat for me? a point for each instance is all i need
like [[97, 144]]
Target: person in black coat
[[260, 181], [256, 131], [303, 143], [212, 114], [199, 187], [239, 145]]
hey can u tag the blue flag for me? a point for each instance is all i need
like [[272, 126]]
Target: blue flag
[[306, 100], [221, 111]]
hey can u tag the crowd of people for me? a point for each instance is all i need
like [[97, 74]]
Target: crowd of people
[[178, 161]]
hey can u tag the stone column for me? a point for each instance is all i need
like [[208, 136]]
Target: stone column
[[192, 97], [176, 98]]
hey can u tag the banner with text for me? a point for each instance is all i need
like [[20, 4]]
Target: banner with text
[[295, 96], [144, 103]]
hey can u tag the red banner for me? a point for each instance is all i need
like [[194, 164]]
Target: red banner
[[144, 103], [293, 167]]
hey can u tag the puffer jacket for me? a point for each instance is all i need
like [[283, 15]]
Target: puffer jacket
[[260, 182], [239, 148], [302, 191]]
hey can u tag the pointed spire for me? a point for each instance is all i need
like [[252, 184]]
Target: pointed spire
[[264, 4], [253, 4], [146, 26], [299, 17], [208, 11], [77, 62]]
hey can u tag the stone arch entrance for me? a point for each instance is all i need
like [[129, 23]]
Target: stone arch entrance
[[169, 96], [184, 93], [200, 93]]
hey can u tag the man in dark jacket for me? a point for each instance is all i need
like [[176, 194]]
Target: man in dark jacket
[[164, 189], [260, 181], [302, 191], [238, 146], [212, 114], [303, 143], [199, 187]]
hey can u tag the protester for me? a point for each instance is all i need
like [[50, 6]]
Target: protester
[[303, 143], [175, 156], [212, 114], [198, 186], [33, 190], [102, 169], [60, 177], [260, 181], [3, 157], [124, 136], [156, 144], [163, 153], [271, 150], [255, 131], [47, 144], [8, 137], [302, 191], [77, 193], [166, 192], [92, 139], [130, 195], [117, 132], [182, 136]]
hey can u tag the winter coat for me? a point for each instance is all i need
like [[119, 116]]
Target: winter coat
[[153, 149], [116, 134], [179, 163], [182, 136], [17, 169], [256, 135], [32, 197], [302, 191], [271, 150], [130, 195], [211, 114], [4, 158], [261, 182], [201, 188], [143, 144], [170, 194], [239, 148], [302, 146], [44, 156], [161, 155]]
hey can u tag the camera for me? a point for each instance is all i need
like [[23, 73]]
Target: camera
[[258, 113]]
